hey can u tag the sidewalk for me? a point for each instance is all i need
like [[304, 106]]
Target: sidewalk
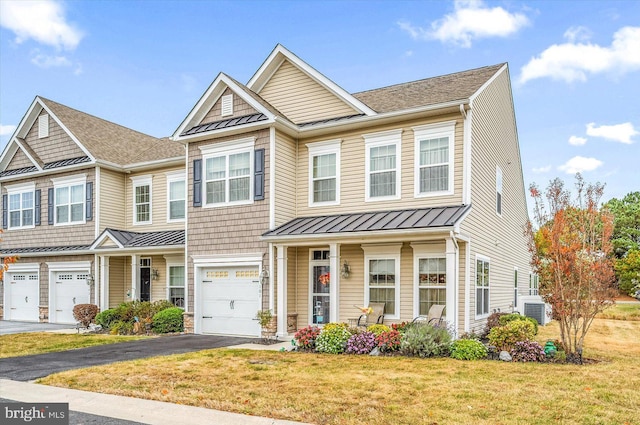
[[127, 408]]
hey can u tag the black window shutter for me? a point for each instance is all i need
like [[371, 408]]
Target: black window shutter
[[258, 177], [5, 200], [50, 206], [89, 204], [197, 182], [36, 213]]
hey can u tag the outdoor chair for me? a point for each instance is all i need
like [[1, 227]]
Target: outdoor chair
[[376, 317], [434, 317]]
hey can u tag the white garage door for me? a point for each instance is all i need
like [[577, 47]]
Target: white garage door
[[69, 289], [230, 300], [22, 296]]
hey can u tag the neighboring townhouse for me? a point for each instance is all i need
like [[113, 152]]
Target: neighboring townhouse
[[94, 211], [309, 200]]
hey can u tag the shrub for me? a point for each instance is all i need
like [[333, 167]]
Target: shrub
[[424, 340], [120, 327], [127, 312], [306, 337], [400, 327], [505, 337], [333, 338], [85, 313], [515, 316], [492, 321], [106, 317], [389, 341], [168, 320], [361, 343], [468, 349], [377, 329], [471, 335], [527, 351]]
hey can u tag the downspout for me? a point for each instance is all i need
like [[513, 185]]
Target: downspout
[[457, 278]]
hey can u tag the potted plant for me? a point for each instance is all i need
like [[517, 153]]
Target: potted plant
[[265, 318]]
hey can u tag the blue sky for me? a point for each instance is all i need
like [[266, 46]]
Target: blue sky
[[575, 65]]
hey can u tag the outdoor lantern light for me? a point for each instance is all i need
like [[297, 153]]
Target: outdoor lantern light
[[90, 280], [264, 276], [345, 270], [154, 274]]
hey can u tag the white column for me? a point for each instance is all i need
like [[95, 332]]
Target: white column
[[271, 281], [281, 252], [452, 283], [334, 282], [104, 282], [134, 278]]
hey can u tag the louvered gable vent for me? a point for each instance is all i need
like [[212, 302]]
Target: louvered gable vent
[[227, 105], [43, 126]]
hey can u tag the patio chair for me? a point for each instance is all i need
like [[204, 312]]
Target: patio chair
[[376, 317], [434, 317]]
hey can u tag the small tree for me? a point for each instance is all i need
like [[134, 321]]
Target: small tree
[[6, 261], [570, 246]]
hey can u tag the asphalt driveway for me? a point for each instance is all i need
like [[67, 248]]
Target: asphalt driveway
[[28, 368]]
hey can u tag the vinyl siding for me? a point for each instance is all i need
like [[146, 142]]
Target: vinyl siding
[[56, 147], [240, 108], [300, 98], [119, 280], [286, 173], [501, 239], [112, 189], [19, 160], [159, 287]]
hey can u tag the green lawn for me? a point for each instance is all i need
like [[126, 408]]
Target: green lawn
[[46, 342], [622, 312]]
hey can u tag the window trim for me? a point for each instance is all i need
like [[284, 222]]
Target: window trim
[[476, 287], [516, 288], [318, 149], [499, 197], [173, 177], [384, 138], [432, 131], [138, 181], [175, 262], [383, 252], [20, 189], [534, 284], [422, 254], [60, 182]]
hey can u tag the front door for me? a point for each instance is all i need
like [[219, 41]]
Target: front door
[[145, 279], [320, 286]]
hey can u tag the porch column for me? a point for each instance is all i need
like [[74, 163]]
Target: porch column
[[281, 252], [452, 280], [334, 281], [104, 282], [134, 278]]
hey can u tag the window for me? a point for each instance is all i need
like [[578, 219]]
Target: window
[[482, 286], [434, 159], [533, 284], [498, 191], [43, 126], [141, 199], [228, 170], [21, 206], [176, 196], [432, 283], [176, 286], [324, 173], [515, 288], [382, 165], [227, 105], [382, 277], [69, 200]]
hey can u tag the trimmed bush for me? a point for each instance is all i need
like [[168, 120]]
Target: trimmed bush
[[493, 321], [361, 343], [468, 349], [127, 312], [377, 329], [306, 337], [424, 340], [168, 320], [389, 341], [505, 337], [106, 317], [121, 327], [527, 351], [333, 338], [85, 313], [515, 316]]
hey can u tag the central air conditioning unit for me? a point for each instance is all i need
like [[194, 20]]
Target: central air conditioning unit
[[533, 306]]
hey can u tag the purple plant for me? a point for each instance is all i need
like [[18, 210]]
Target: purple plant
[[361, 343], [527, 351]]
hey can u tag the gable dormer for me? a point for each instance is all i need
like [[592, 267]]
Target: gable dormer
[[50, 141], [228, 105]]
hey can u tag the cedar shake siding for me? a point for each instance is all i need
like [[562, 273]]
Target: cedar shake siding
[[19, 160], [240, 109], [57, 147]]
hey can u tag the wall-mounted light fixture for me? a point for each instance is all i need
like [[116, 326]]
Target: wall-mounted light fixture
[[264, 276], [345, 270], [154, 274], [91, 280]]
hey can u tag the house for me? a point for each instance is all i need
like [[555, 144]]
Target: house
[[308, 200], [95, 212]]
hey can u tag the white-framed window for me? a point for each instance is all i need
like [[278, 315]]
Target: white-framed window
[[432, 282], [69, 200], [382, 277], [175, 285], [21, 206], [434, 149], [324, 173], [142, 197], [227, 105], [515, 288], [176, 196], [498, 191], [482, 286], [228, 173], [382, 166], [533, 284], [43, 126]]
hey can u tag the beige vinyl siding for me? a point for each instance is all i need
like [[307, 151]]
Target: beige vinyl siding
[[159, 287], [286, 170], [352, 172], [501, 239], [112, 197], [158, 202], [300, 98], [462, 273], [119, 280], [19, 160], [56, 147], [240, 108], [352, 288], [47, 235]]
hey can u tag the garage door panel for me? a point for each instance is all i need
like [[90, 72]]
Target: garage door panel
[[70, 289], [23, 296]]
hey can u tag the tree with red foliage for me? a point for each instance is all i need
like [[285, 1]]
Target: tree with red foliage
[[5, 262], [570, 246]]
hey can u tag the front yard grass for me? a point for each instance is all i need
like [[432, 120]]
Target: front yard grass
[[621, 312], [46, 342], [341, 389]]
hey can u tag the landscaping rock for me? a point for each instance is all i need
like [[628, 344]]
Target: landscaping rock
[[505, 356], [375, 352]]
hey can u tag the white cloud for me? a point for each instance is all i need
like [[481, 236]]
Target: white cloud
[[46, 61], [578, 33], [577, 141], [539, 170], [579, 164], [572, 61], [7, 129], [471, 20], [43, 21], [619, 133]]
